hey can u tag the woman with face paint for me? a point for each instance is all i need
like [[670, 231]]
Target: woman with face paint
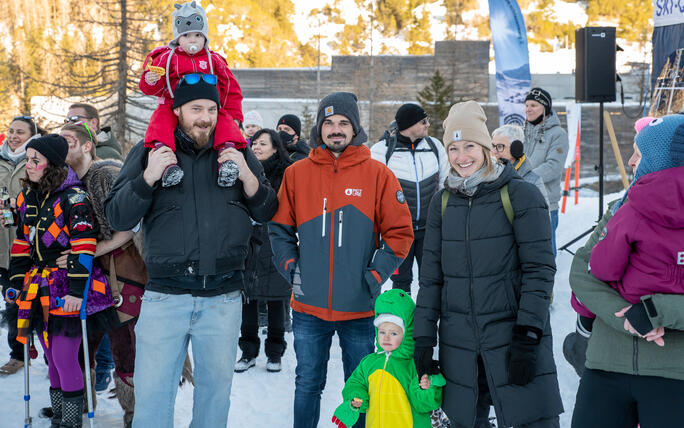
[[55, 215], [12, 162]]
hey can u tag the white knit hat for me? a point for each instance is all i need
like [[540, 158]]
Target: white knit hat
[[253, 117], [189, 18], [382, 318]]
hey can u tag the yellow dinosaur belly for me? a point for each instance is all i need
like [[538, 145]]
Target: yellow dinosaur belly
[[389, 406]]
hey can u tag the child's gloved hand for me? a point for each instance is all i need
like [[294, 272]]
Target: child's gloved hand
[[347, 413], [151, 77]]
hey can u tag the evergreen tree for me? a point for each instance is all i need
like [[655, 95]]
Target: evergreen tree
[[436, 98], [308, 117]]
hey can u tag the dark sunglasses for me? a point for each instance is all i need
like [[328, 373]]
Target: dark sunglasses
[[75, 118], [425, 121], [194, 78]]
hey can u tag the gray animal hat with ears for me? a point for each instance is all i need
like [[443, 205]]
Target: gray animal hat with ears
[[189, 18]]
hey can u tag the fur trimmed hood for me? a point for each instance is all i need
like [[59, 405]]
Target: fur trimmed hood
[[98, 182]]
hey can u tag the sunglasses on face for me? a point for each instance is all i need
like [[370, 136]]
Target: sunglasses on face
[[75, 118], [194, 78], [425, 121]]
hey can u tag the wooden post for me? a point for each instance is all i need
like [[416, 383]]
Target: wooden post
[[616, 149]]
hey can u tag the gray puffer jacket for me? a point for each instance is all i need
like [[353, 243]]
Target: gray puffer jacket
[[546, 147], [481, 276]]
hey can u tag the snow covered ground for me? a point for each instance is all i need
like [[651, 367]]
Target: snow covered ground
[[262, 399]]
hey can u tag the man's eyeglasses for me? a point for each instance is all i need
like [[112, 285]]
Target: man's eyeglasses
[[75, 118], [194, 78], [499, 148]]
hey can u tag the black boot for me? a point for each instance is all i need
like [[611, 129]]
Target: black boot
[[56, 402], [575, 351], [72, 406]]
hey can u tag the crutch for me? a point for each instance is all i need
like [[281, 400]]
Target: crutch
[[27, 395], [87, 262]]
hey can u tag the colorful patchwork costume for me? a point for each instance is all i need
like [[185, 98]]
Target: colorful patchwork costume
[[387, 382], [47, 225]]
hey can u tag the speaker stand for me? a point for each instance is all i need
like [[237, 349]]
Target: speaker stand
[[599, 169]]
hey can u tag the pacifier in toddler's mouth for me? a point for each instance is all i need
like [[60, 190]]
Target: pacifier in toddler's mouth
[[193, 49]]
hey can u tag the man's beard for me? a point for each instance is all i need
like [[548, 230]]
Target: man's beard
[[337, 147], [200, 136]]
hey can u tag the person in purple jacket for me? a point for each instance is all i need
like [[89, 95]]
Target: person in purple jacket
[[641, 249]]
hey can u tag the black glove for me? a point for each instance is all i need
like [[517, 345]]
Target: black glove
[[639, 319], [523, 354], [422, 356]]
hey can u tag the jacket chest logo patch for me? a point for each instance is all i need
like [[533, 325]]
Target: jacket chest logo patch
[[400, 197], [353, 192], [203, 64], [680, 258]]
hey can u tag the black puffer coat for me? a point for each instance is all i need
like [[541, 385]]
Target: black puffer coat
[[480, 276], [262, 280]]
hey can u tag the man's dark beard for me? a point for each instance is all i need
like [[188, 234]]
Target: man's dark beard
[[339, 147], [199, 140]]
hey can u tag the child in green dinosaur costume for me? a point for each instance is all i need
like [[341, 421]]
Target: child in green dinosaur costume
[[385, 384]]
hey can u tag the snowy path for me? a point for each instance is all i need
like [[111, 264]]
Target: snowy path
[[262, 399]]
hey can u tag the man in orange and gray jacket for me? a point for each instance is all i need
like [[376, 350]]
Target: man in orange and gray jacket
[[346, 202]]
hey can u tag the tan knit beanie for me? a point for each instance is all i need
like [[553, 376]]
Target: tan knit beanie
[[467, 121]]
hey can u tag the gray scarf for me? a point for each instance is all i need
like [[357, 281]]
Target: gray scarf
[[17, 156], [469, 185]]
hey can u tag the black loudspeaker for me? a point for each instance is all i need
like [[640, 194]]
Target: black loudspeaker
[[595, 64]]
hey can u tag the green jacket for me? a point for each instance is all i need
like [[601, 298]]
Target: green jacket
[[107, 146], [388, 382], [611, 347]]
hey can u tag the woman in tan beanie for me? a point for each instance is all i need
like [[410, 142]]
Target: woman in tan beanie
[[487, 276]]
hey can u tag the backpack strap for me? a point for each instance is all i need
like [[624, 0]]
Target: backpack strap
[[433, 147], [506, 200], [391, 144]]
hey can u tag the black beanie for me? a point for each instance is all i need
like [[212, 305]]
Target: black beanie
[[53, 146], [342, 103], [408, 115], [293, 122], [201, 90], [542, 97]]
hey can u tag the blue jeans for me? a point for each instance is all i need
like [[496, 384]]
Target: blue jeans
[[554, 226], [103, 356], [312, 340], [167, 323]]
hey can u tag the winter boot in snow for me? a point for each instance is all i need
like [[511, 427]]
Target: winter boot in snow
[[244, 364], [125, 394], [250, 350], [72, 403], [228, 171], [575, 351], [56, 402], [274, 351]]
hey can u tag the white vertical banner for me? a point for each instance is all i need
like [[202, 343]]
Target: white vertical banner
[[574, 115]]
